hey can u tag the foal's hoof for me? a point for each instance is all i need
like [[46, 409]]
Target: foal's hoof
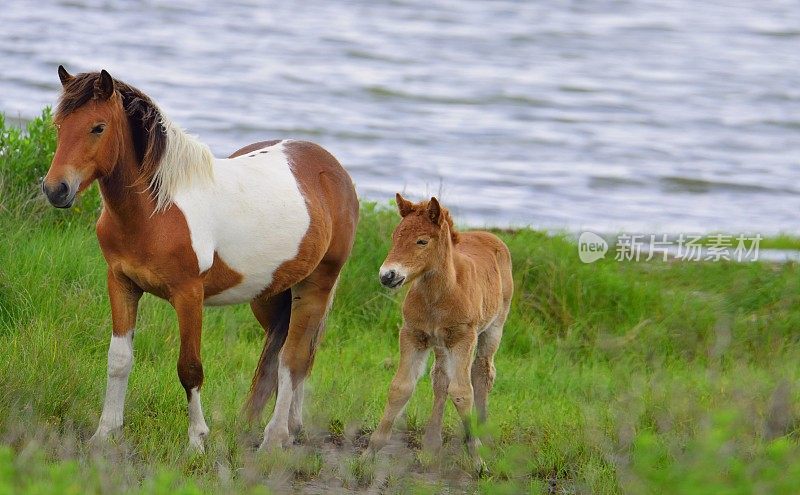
[[368, 455], [431, 443], [483, 470]]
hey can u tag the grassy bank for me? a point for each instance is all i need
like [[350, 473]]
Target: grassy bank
[[612, 377]]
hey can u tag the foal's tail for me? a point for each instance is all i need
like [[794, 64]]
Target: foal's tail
[[265, 379]]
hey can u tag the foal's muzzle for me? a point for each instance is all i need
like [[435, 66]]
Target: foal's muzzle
[[60, 195], [391, 278]]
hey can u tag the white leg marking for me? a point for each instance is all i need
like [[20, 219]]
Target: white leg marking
[[198, 430], [296, 409], [276, 434], [120, 361]]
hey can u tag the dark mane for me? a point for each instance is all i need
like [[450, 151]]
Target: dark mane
[[144, 117]]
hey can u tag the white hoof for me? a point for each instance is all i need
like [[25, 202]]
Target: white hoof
[[275, 439], [103, 435], [197, 438]]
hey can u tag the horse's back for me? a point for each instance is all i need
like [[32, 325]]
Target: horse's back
[[261, 214], [320, 176]]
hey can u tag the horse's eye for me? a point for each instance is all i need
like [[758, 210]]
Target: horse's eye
[[98, 129], [422, 242]]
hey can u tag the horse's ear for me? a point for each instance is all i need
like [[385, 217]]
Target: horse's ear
[[403, 205], [64, 75], [434, 211], [104, 86]]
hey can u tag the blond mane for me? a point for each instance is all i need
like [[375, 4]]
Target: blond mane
[[185, 161]]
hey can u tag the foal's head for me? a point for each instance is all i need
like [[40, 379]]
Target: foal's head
[[420, 244], [99, 119]]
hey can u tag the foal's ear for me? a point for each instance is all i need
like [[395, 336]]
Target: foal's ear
[[403, 205], [434, 211], [64, 75], [104, 86]]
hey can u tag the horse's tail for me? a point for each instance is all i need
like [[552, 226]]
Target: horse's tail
[[265, 379]]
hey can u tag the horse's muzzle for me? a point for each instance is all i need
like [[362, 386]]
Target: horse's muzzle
[[62, 195]]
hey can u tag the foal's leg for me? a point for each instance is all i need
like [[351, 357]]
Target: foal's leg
[[461, 392], [188, 303], [483, 371], [310, 301], [432, 440], [413, 356], [124, 297]]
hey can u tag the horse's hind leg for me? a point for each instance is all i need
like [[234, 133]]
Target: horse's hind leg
[[432, 440], [273, 313], [483, 371], [310, 301]]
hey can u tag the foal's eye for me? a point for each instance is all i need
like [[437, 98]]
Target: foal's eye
[[98, 129], [421, 242]]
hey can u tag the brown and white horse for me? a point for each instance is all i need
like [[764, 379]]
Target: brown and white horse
[[459, 296], [271, 225]]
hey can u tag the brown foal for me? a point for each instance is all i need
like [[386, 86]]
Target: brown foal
[[459, 296]]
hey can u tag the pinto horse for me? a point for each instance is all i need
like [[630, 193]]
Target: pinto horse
[[271, 225], [459, 296]]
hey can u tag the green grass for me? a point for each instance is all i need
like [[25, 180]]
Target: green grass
[[612, 377]]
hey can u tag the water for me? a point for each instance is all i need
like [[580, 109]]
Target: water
[[643, 116]]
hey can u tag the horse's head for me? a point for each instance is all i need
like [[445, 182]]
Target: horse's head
[[420, 242], [90, 119]]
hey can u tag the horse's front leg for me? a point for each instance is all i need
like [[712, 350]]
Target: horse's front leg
[[124, 297], [188, 303]]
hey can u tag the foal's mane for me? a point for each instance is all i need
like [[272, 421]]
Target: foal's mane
[[167, 157]]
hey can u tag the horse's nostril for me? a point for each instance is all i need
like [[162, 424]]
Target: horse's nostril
[[58, 194]]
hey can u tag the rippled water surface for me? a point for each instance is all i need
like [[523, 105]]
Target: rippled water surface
[[632, 115]]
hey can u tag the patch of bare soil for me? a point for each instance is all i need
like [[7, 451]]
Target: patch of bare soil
[[398, 468]]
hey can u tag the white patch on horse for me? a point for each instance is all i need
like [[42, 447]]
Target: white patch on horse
[[253, 216], [120, 362], [198, 429]]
